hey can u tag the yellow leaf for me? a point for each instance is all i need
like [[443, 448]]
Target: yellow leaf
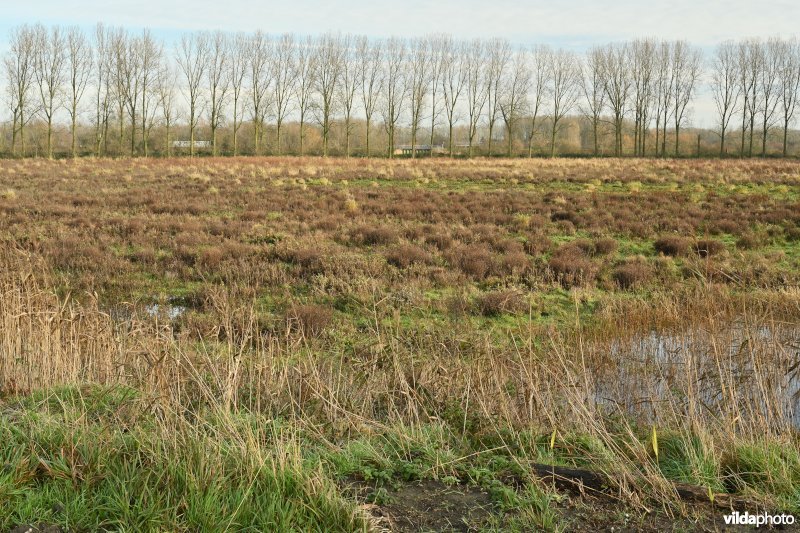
[[553, 440]]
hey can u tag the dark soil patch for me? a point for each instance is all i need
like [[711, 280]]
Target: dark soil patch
[[426, 506]]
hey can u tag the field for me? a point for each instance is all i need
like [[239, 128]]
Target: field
[[353, 344]]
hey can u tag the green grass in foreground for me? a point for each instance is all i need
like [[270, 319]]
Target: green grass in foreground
[[107, 458]]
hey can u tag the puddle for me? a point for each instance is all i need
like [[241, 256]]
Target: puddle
[[747, 371]]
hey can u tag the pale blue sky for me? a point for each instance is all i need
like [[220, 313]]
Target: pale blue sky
[[572, 23]]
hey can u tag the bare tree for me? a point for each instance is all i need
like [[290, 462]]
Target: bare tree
[[476, 87], [564, 89], [594, 95], [454, 76], [237, 70], [166, 80], [499, 56], [370, 74], [103, 89], [396, 87], [686, 66], [328, 65], [150, 52], [642, 60], [127, 58], [192, 57], [258, 62], [79, 67], [419, 84], [49, 72], [789, 81], [306, 70], [665, 85], [284, 78], [725, 86], [347, 87], [541, 57], [514, 94], [218, 82], [19, 66], [437, 46], [769, 87], [750, 58], [617, 78]]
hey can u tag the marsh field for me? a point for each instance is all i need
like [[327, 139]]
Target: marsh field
[[314, 344]]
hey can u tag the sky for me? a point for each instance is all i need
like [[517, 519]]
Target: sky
[[572, 24]]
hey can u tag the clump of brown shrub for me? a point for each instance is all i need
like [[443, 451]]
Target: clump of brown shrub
[[536, 244], [570, 265], [475, 260], [374, 235], [707, 247], [309, 259], [633, 274], [405, 255], [672, 245], [605, 246], [309, 319], [498, 302]]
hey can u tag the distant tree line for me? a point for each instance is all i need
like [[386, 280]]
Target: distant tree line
[[116, 92]]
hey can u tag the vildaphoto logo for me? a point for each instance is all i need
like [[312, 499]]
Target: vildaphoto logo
[[762, 519]]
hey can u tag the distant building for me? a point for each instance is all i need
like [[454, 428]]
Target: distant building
[[187, 144], [419, 149]]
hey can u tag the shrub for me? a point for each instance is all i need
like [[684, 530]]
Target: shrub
[[707, 247], [309, 259], [371, 236], [474, 260], [605, 246], [632, 274], [515, 263], [672, 245], [571, 267], [308, 319], [537, 244], [498, 302], [405, 255], [210, 258], [748, 241]]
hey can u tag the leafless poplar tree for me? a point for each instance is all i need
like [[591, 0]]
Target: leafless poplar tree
[[564, 89], [304, 88], [751, 58], [541, 58], [192, 59], [348, 86], [437, 46], [642, 60], [218, 82], [284, 76], [79, 67], [395, 87], [166, 81], [328, 70], [370, 74], [258, 63], [686, 66], [617, 79], [514, 94], [594, 95], [419, 62], [237, 70], [499, 56], [103, 88], [789, 81], [50, 73], [475, 62], [19, 66], [725, 86], [151, 52], [665, 86], [454, 75], [769, 87]]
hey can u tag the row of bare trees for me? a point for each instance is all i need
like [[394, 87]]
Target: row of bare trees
[[214, 80], [756, 81]]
